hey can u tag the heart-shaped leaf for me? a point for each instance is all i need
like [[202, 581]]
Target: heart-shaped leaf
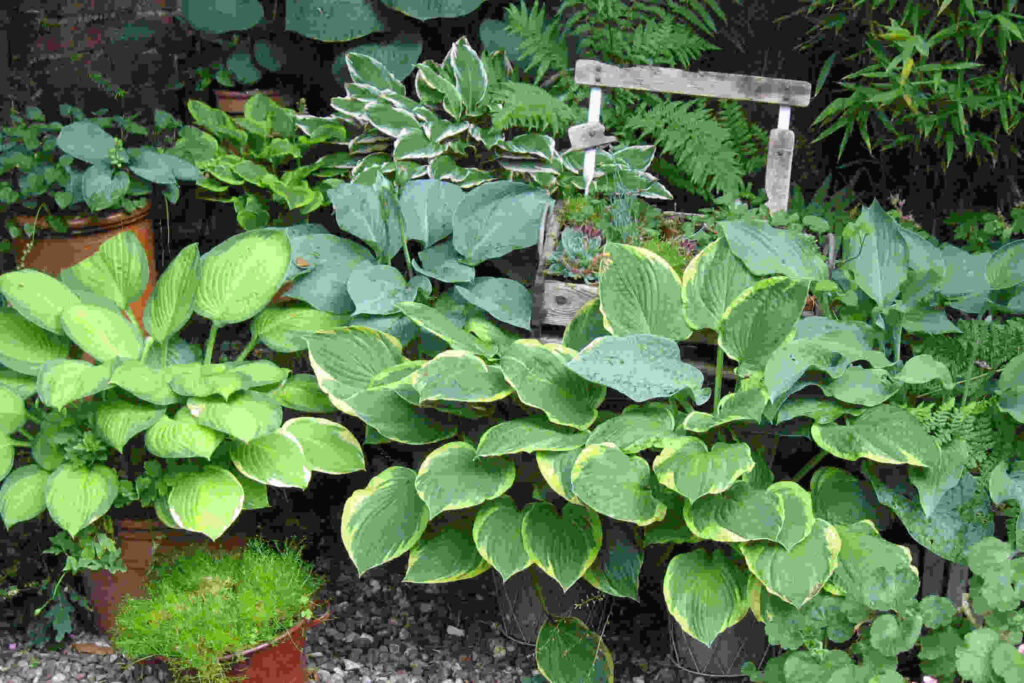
[[207, 501], [616, 485], [506, 300], [641, 294], [636, 429], [712, 280], [498, 535], [556, 468], [22, 495], [687, 466], [275, 459], [76, 495], [448, 555], [383, 520], [38, 297], [796, 575], [641, 366], [346, 359], [118, 271], [765, 250], [452, 477], [326, 445], [874, 571], [496, 218], [760, 318], [459, 376], [539, 374], [245, 416], [705, 593], [117, 420], [182, 437], [565, 544], [241, 275], [616, 571]]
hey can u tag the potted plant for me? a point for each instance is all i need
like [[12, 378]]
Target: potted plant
[[66, 187], [98, 418], [239, 616]]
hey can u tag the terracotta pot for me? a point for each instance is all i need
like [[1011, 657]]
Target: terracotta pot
[[279, 661], [51, 252], [233, 101], [523, 615], [140, 541]]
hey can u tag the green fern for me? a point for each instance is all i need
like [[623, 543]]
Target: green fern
[[982, 346], [544, 45], [990, 435], [750, 140], [523, 105]]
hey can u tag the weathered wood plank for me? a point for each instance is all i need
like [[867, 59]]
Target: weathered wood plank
[[779, 169], [933, 573], [956, 585], [696, 83], [560, 301]]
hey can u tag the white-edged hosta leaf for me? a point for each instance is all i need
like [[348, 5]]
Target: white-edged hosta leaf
[[25, 347], [302, 393], [119, 270], [687, 466], [327, 446], [77, 495], [705, 593], [207, 501], [616, 485], [498, 535], [274, 459], [39, 297], [641, 294], [383, 520], [23, 494], [797, 574], [760, 318], [452, 477], [245, 416], [539, 374], [118, 420], [346, 359], [241, 275], [556, 468], [562, 544], [171, 303], [12, 411], [103, 334], [887, 434], [528, 435], [62, 381]]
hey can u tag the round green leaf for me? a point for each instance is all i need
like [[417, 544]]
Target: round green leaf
[[117, 420], [12, 411], [171, 304], [891, 636], [556, 468], [528, 435], [641, 366], [691, 470], [569, 652], [433, 9], [76, 495], [760, 318], [245, 416], [506, 300], [22, 495], [102, 333], [448, 555], [285, 330], [275, 459], [641, 294], [563, 545], [616, 485], [207, 501], [452, 477], [25, 347], [181, 437], [711, 281], [765, 250], [541, 379], [223, 16], [795, 575], [498, 535], [326, 445], [383, 520], [241, 275], [459, 376], [301, 392], [334, 20], [62, 381], [616, 571], [346, 359], [705, 593], [39, 297]]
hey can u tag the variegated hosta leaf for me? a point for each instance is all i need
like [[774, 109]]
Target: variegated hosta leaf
[[528, 435], [275, 459], [498, 535], [118, 420], [207, 501], [459, 376], [285, 330], [887, 434], [25, 347], [556, 468], [448, 555], [712, 280], [616, 485], [346, 359], [76, 495], [383, 520], [759, 319], [796, 575], [245, 416], [782, 513], [541, 379], [563, 544], [327, 446], [641, 366], [705, 593], [687, 466], [452, 477], [182, 437], [641, 294]]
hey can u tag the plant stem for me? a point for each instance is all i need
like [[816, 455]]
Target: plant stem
[[146, 347], [210, 343], [810, 465], [247, 350], [21, 430], [163, 352], [131, 316], [23, 444], [719, 369]]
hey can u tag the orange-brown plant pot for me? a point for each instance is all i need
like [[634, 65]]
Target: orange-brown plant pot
[[233, 101], [51, 251], [279, 661], [140, 541]]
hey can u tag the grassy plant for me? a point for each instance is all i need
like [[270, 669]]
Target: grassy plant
[[203, 606]]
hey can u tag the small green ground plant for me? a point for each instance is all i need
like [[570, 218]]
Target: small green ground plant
[[201, 608]]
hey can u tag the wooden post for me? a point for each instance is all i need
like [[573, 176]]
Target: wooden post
[[590, 156], [780, 163]]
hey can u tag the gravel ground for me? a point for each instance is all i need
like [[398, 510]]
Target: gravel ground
[[381, 630]]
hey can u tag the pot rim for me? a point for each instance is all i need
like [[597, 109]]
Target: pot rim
[[78, 222], [300, 626], [246, 94]]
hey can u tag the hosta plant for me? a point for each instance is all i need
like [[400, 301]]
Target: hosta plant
[[95, 414]]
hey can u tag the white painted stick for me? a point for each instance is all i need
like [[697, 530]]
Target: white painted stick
[[783, 117], [590, 156]]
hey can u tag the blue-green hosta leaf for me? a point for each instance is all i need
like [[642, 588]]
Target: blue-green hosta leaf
[[397, 56], [742, 406], [119, 270], [540, 376], [760, 318], [245, 416], [641, 366], [241, 275], [1006, 485], [171, 303], [638, 428], [327, 446], [335, 21], [459, 376], [498, 535], [687, 466], [448, 555], [863, 386], [76, 495], [394, 418], [562, 544], [585, 327], [434, 321], [782, 513], [101, 333], [932, 482], [616, 571], [923, 369], [922, 255], [285, 330], [505, 299], [616, 485], [711, 281], [275, 459], [376, 289], [1006, 267], [706, 594], [23, 494], [887, 434], [383, 520], [86, 141], [118, 421], [1010, 388], [24, 347], [207, 501], [182, 437], [331, 259], [425, 10], [569, 652], [497, 218], [441, 262], [765, 250], [874, 571], [877, 254], [38, 297], [797, 574], [556, 469], [62, 381], [346, 359], [965, 274], [840, 498], [528, 435], [452, 477], [641, 295], [214, 17]]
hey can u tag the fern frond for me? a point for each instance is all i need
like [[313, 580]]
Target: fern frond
[[749, 139], [699, 144], [661, 43], [544, 45], [523, 105]]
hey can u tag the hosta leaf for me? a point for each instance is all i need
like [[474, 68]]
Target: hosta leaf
[[103, 334], [616, 485], [62, 381], [301, 392], [459, 376], [739, 406], [877, 254], [496, 218], [241, 275], [506, 300], [171, 303], [760, 318], [245, 416], [565, 544], [687, 466], [117, 420], [434, 321], [38, 297], [452, 477], [1005, 269], [765, 250], [394, 418], [383, 520], [23, 494], [76, 495], [712, 280], [335, 21], [569, 652], [616, 571], [12, 411], [641, 294], [119, 270], [25, 347], [641, 366], [541, 378], [346, 359], [874, 571], [743, 513], [498, 535], [840, 498], [705, 593], [556, 468], [181, 437], [326, 445], [886, 434], [636, 429], [528, 435], [795, 575], [274, 459], [585, 327], [207, 501], [428, 207], [285, 330], [448, 555]]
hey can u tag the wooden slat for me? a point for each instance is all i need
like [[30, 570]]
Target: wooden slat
[[933, 574], [779, 169], [696, 83], [956, 586], [560, 301]]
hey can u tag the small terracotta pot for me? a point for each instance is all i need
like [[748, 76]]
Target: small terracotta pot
[[233, 101], [140, 541], [51, 252], [279, 661]]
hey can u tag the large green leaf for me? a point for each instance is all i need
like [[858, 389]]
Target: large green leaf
[[39, 297], [452, 477], [62, 381], [498, 535], [207, 501], [433, 9], [687, 466], [528, 435], [765, 250], [585, 327], [223, 16], [86, 141], [118, 420], [331, 259], [434, 321], [564, 544], [359, 212], [13, 414], [556, 469], [6, 455], [705, 593], [383, 520], [197, 379], [275, 459], [459, 376], [171, 304], [863, 386], [641, 294], [77, 495], [346, 359], [102, 333], [505, 299], [119, 270], [616, 571], [876, 254], [569, 652], [497, 218], [394, 418], [886, 434], [743, 513], [841, 498], [241, 275], [1007, 485], [245, 416], [638, 428], [746, 405], [23, 494], [428, 207], [182, 437], [1006, 268], [24, 347], [933, 481], [641, 366], [22, 385], [616, 485], [334, 20], [712, 279], [301, 393], [541, 378], [873, 571], [327, 446], [759, 319], [795, 575], [448, 555]]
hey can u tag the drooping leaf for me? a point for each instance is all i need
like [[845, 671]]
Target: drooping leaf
[[383, 520], [38, 297], [506, 300], [528, 435], [77, 495], [616, 571], [765, 250], [240, 275], [62, 381], [886, 434], [24, 347], [638, 428], [346, 359], [712, 280], [556, 469], [641, 294], [207, 501], [706, 594], [497, 218], [22, 495], [459, 376], [433, 9], [540, 376], [334, 20], [641, 366], [118, 420], [275, 459], [182, 437], [616, 485], [562, 544], [452, 477], [760, 318], [498, 535], [585, 327], [448, 555]]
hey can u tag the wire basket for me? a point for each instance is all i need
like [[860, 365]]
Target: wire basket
[[744, 642]]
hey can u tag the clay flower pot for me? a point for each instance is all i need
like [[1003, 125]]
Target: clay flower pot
[[279, 661], [233, 101]]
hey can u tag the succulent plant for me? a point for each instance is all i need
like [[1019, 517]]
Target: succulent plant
[[579, 254]]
